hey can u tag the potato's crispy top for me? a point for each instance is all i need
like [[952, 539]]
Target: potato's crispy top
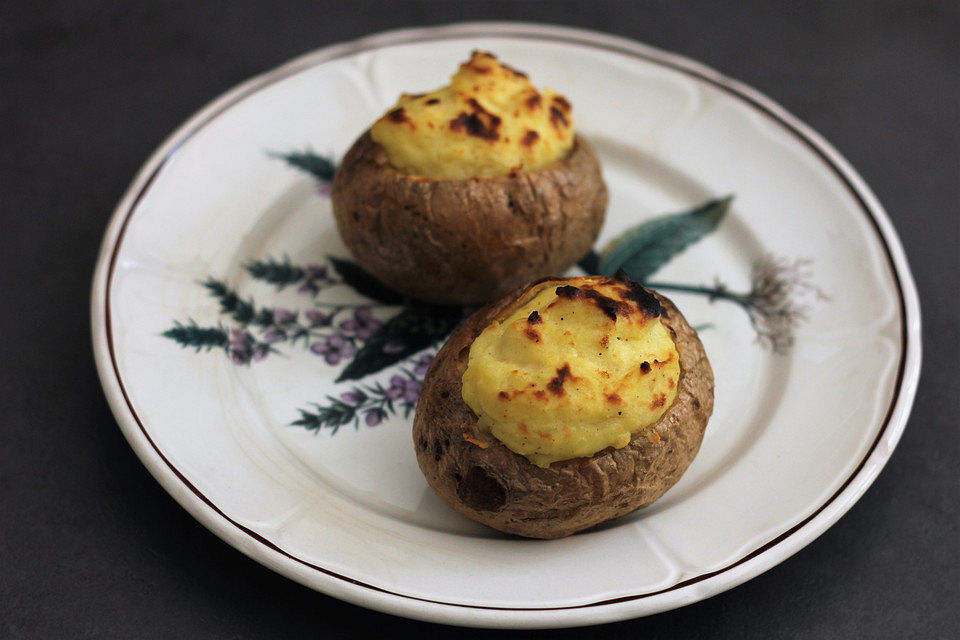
[[490, 121], [576, 366]]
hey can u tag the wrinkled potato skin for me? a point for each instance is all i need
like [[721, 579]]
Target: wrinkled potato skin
[[466, 241], [503, 490]]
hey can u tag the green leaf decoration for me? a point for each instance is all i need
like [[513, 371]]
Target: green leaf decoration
[[363, 283], [191, 335], [643, 249], [320, 167], [332, 416], [279, 274], [243, 311], [416, 327]]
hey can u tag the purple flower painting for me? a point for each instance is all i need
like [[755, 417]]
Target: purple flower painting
[[384, 332]]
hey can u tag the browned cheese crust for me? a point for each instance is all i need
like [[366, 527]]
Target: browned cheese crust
[[466, 241], [482, 479]]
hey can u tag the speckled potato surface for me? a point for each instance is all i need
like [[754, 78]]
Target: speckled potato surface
[[466, 241], [482, 479]]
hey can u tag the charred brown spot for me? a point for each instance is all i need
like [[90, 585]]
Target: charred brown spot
[[561, 102], [555, 386], [539, 394], [534, 318], [522, 428], [433, 101], [614, 398], [658, 401], [558, 118], [503, 395], [604, 341], [398, 116], [533, 102], [645, 366], [479, 68], [645, 299], [610, 307], [671, 383], [481, 123], [669, 359], [636, 292], [515, 72], [531, 334], [476, 106], [529, 138], [477, 56]]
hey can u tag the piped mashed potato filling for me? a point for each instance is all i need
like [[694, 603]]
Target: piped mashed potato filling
[[490, 121], [575, 367]]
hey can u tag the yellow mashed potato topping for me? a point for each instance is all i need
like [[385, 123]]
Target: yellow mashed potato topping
[[490, 121], [575, 367]]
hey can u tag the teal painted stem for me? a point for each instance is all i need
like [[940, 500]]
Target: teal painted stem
[[714, 293]]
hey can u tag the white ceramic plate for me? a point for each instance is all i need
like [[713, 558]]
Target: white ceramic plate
[[223, 245]]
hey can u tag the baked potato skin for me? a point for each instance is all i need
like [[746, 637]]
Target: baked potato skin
[[482, 479], [466, 241]]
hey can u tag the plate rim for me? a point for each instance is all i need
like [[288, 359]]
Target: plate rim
[[343, 587]]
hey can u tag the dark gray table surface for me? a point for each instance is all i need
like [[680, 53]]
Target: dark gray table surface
[[91, 546]]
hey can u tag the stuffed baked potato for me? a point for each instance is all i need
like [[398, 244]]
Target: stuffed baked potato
[[566, 403], [459, 195]]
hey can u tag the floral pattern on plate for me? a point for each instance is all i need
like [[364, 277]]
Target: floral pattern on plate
[[353, 334]]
